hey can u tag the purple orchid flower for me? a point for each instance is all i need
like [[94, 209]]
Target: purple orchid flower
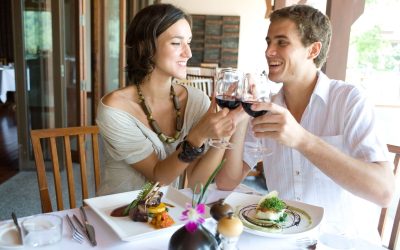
[[194, 216]]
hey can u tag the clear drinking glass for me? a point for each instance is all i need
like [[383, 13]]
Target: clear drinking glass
[[256, 89], [227, 93], [41, 230]]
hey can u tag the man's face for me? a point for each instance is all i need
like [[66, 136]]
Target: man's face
[[287, 58]]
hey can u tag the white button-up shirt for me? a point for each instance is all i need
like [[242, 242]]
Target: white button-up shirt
[[339, 114]]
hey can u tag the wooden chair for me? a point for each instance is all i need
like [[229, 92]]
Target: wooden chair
[[383, 217], [51, 135], [205, 84]]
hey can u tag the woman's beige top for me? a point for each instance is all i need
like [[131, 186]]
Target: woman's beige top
[[127, 141]]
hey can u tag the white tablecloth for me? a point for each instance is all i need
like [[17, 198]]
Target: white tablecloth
[[107, 239], [8, 82]]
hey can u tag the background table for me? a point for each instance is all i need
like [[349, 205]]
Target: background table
[[7, 82]]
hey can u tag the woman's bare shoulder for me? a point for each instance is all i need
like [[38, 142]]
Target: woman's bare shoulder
[[122, 98], [118, 96]]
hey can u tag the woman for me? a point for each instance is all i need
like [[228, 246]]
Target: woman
[[153, 129]]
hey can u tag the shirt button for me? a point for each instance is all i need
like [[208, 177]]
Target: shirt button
[[297, 172]]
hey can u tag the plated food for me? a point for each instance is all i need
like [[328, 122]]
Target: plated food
[[271, 208], [127, 229], [295, 219], [271, 213], [147, 207]]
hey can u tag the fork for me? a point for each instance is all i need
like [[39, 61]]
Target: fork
[[76, 235]]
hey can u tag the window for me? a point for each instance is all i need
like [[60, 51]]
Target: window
[[374, 62], [37, 32]]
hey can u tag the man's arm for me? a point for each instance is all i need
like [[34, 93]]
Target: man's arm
[[372, 181]]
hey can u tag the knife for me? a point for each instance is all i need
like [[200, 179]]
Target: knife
[[89, 228], [14, 217]]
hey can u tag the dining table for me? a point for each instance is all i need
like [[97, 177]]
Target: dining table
[[7, 81], [108, 239]]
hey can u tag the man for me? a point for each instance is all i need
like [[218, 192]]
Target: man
[[325, 149]]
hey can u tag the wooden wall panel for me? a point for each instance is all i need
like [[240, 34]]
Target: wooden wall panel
[[215, 40]]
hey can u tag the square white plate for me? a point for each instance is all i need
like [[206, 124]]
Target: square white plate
[[129, 230], [310, 216]]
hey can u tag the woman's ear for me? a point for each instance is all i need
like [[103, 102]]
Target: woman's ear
[[314, 49]]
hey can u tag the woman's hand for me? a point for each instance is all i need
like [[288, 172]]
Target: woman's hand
[[216, 124]]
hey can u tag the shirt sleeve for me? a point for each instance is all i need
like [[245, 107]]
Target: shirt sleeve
[[361, 131], [123, 138]]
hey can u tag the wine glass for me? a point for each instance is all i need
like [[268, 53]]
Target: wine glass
[[228, 89], [256, 89]]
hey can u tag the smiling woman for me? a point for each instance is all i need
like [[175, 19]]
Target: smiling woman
[[155, 130]]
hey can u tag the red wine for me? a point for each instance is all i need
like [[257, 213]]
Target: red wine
[[227, 102], [247, 107]]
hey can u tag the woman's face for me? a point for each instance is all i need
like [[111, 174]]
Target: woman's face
[[173, 50]]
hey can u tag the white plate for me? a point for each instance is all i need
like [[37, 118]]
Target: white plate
[[310, 216], [129, 230], [9, 236]]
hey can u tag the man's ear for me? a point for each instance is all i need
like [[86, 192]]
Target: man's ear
[[314, 49]]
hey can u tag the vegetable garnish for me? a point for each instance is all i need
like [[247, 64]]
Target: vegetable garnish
[[147, 188], [273, 203]]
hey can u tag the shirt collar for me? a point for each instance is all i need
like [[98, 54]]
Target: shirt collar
[[321, 90], [322, 87]]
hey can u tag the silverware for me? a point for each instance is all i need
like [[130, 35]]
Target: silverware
[[89, 228], [82, 228], [307, 243], [76, 235], [14, 217]]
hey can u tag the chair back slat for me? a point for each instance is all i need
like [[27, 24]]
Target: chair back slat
[[41, 175], [66, 134], [56, 172], [96, 161], [205, 84], [394, 236], [82, 158], [70, 171], [383, 219]]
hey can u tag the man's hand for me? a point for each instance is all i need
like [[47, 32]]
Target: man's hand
[[278, 124]]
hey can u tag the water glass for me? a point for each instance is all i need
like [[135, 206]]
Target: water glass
[[337, 236], [41, 230]]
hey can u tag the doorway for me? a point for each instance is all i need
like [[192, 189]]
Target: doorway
[[48, 68], [8, 123]]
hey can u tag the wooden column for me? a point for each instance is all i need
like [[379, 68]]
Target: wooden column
[[122, 51], [279, 4], [343, 13], [98, 54]]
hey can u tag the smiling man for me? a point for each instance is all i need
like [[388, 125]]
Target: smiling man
[[326, 150]]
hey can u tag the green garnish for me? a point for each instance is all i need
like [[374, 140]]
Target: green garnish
[[203, 189], [273, 203], [147, 187]]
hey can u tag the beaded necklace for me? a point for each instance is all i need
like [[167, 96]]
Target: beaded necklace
[[153, 123]]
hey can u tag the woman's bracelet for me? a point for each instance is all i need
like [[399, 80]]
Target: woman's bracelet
[[189, 152]]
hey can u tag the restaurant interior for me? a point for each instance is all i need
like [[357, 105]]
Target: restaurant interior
[[58, 58]]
